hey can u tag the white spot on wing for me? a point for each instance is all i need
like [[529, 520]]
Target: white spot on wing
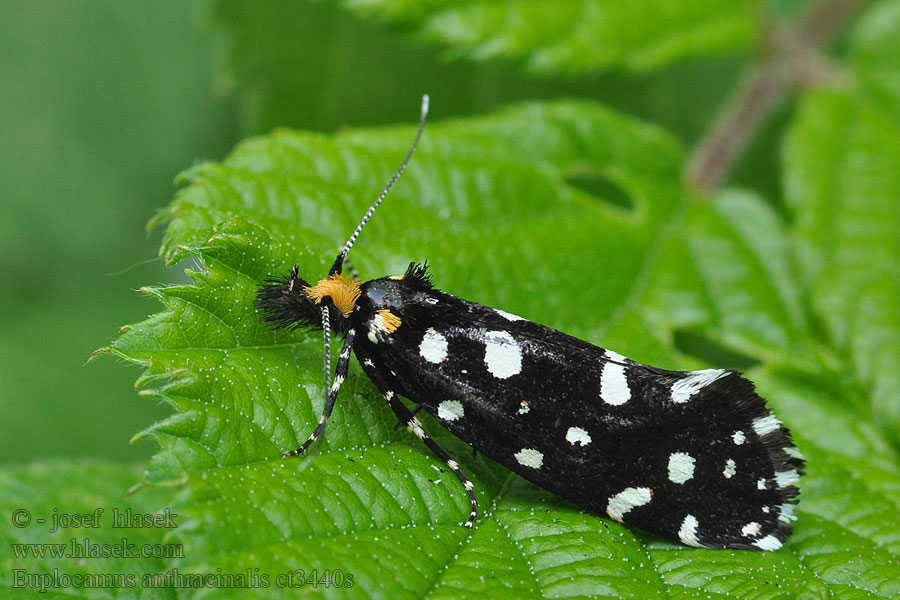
[[688, 531], [371, 336], [523, 408], [450, 410], [730, 468], [614, 388], [791, 451], [786, 513], [615, 356], [508, 316], [629, 498], [739, 437], [530, 457], [502, 354], [433, 347], [683, 389], [786, 478], [770, 542], [751, 529], [577, 435], [681, 467], [764, 425], [761, 484]]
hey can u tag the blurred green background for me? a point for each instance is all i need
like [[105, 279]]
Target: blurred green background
[[103, 103]]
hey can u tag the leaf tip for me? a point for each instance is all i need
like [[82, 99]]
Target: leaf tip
[[135, 488], [98, 352]]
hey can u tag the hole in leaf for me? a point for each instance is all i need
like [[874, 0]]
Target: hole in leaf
[[602, 188], [717, 355]]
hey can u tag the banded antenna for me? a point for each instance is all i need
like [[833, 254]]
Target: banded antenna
[[330, 387], [339, 261]]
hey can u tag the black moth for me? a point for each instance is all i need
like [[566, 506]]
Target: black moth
[[693, 456]]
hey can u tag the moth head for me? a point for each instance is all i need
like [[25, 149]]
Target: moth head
[[292, 302]]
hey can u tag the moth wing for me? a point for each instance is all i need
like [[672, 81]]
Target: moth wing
[[693, 456]]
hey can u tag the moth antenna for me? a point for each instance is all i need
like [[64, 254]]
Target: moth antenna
[[354, 274], [339, 261], [326, 337]]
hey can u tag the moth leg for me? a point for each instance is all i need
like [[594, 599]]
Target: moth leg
[[412, 423], [415, 426], [340, 375], [414, 413]]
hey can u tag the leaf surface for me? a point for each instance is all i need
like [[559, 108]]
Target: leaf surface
[[576, 35]]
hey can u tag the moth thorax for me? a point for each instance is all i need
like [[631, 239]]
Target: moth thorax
[[343, 292]]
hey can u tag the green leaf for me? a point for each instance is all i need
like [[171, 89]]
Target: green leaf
[[842, 160], [875, 51], [565, 213], [576, 35]]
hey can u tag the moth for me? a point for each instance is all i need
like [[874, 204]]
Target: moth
[[692, 456]]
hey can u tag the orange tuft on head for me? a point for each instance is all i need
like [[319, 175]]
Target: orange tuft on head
[[343, 292]]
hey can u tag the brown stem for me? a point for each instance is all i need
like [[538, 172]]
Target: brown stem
[[794, 59], [823, 20]]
